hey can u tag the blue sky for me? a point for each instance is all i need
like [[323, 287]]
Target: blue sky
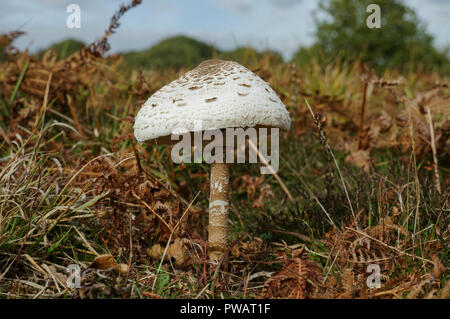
[[283, 25]]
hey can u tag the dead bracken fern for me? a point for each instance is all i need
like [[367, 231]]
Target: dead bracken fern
[[78, 71], [351, 251], [445, 292], [379, 125], [136, 206], [300, 278]]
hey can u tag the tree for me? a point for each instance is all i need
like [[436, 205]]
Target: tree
[[400, 42]]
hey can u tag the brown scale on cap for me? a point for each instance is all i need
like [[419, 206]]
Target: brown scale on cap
[[211, 99], [206, 70]]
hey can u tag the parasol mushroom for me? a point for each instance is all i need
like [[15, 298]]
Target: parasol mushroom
[[219, 95]]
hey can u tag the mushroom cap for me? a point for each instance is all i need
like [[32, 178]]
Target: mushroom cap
[[218, 93]]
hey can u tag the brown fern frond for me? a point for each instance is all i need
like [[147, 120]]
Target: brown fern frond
[[438, 267], [301, 278], [445, 291], [417, 290], [431, 294], [348, 281]]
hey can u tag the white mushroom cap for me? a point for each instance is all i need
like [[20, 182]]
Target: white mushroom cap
[[219, 93]]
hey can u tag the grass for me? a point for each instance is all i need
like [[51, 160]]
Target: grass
[[72, 189]]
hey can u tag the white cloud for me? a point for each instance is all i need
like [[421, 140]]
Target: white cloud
[[434, 13], [236, 6], [246, 6], [285, 3]]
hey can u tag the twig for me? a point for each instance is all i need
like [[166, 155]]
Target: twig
[[138, 162], [335, 163], [263, 160], [86, 242], [130, 258], [41, 116], [74, 115], [202, 291], [331, 266], [152, 210], [361, 120], [302, 237], [433, 148], [388, 246], [416, 177], [363, 104]]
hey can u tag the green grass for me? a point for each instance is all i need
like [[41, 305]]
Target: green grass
[[57, 208]]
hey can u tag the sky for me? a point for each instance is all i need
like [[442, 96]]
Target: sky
[[282, 25]]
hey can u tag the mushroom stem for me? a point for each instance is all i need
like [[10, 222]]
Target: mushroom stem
[[218, 211]]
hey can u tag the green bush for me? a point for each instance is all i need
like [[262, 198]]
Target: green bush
[[175, 52]]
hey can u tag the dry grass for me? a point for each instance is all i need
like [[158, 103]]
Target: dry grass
[[369, 179]]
